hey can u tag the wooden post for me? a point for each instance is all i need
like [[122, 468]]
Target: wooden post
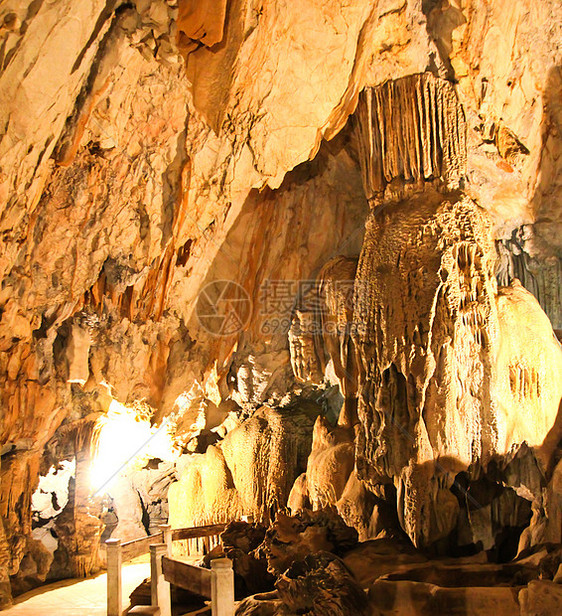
[[114, 600], [206, 545], [159, 588], [222, 587], [167, 537]]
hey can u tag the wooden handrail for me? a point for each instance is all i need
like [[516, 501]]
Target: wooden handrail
[[195, 532], [195, 579], [137, 547], [132, 541], [218, 585]]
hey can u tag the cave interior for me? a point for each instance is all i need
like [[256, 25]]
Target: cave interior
[[291, 267]]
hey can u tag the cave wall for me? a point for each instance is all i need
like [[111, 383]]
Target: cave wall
[[149, 148]]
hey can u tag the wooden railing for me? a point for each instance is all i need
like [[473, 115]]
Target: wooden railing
[[179, 534], [138, 547], [198, 538], [216, 584], [184, 575]]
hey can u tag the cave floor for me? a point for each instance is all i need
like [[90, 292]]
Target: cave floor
[[77, 597]]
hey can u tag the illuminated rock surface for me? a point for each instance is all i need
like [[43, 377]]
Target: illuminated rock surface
[[379, 184]]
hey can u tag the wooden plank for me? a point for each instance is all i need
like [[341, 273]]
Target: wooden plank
[[197, 531], [195, 579], [137, 547]]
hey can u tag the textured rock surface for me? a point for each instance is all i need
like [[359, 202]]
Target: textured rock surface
[[410, 130], [240, 542], [448, 389], [434, 397], [250, 472], [149, 148], [331, 481], [401, 581], [291, 538], [321, 584], [398, 579]]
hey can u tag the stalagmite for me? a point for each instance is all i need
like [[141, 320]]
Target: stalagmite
[[431, 329], [250, 472]]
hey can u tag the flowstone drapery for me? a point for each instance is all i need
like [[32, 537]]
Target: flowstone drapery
[[434, 380]]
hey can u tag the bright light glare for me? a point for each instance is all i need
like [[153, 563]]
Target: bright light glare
[[126, 441], [55, 481]]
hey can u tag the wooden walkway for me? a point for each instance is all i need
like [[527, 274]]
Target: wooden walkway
[[88, 597]]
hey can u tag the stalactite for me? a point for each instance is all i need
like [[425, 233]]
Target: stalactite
[[304, 358], [336, 288], [322, 334], [542, 277], [410, 130], [78, 526]]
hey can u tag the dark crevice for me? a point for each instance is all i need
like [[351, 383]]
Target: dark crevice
[[102, 18]]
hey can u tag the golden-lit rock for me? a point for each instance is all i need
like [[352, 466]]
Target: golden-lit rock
[[148, 149], [250, 472]]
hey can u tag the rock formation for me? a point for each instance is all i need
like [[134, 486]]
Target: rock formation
[[319, 242], [433, 334], [250, 472], [440, 383], [410, 131], [321, 584]]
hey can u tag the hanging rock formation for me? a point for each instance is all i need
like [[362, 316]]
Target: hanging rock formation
[[412, 130]]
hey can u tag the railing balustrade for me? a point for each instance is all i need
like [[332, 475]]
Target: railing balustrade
[[216, 584]]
